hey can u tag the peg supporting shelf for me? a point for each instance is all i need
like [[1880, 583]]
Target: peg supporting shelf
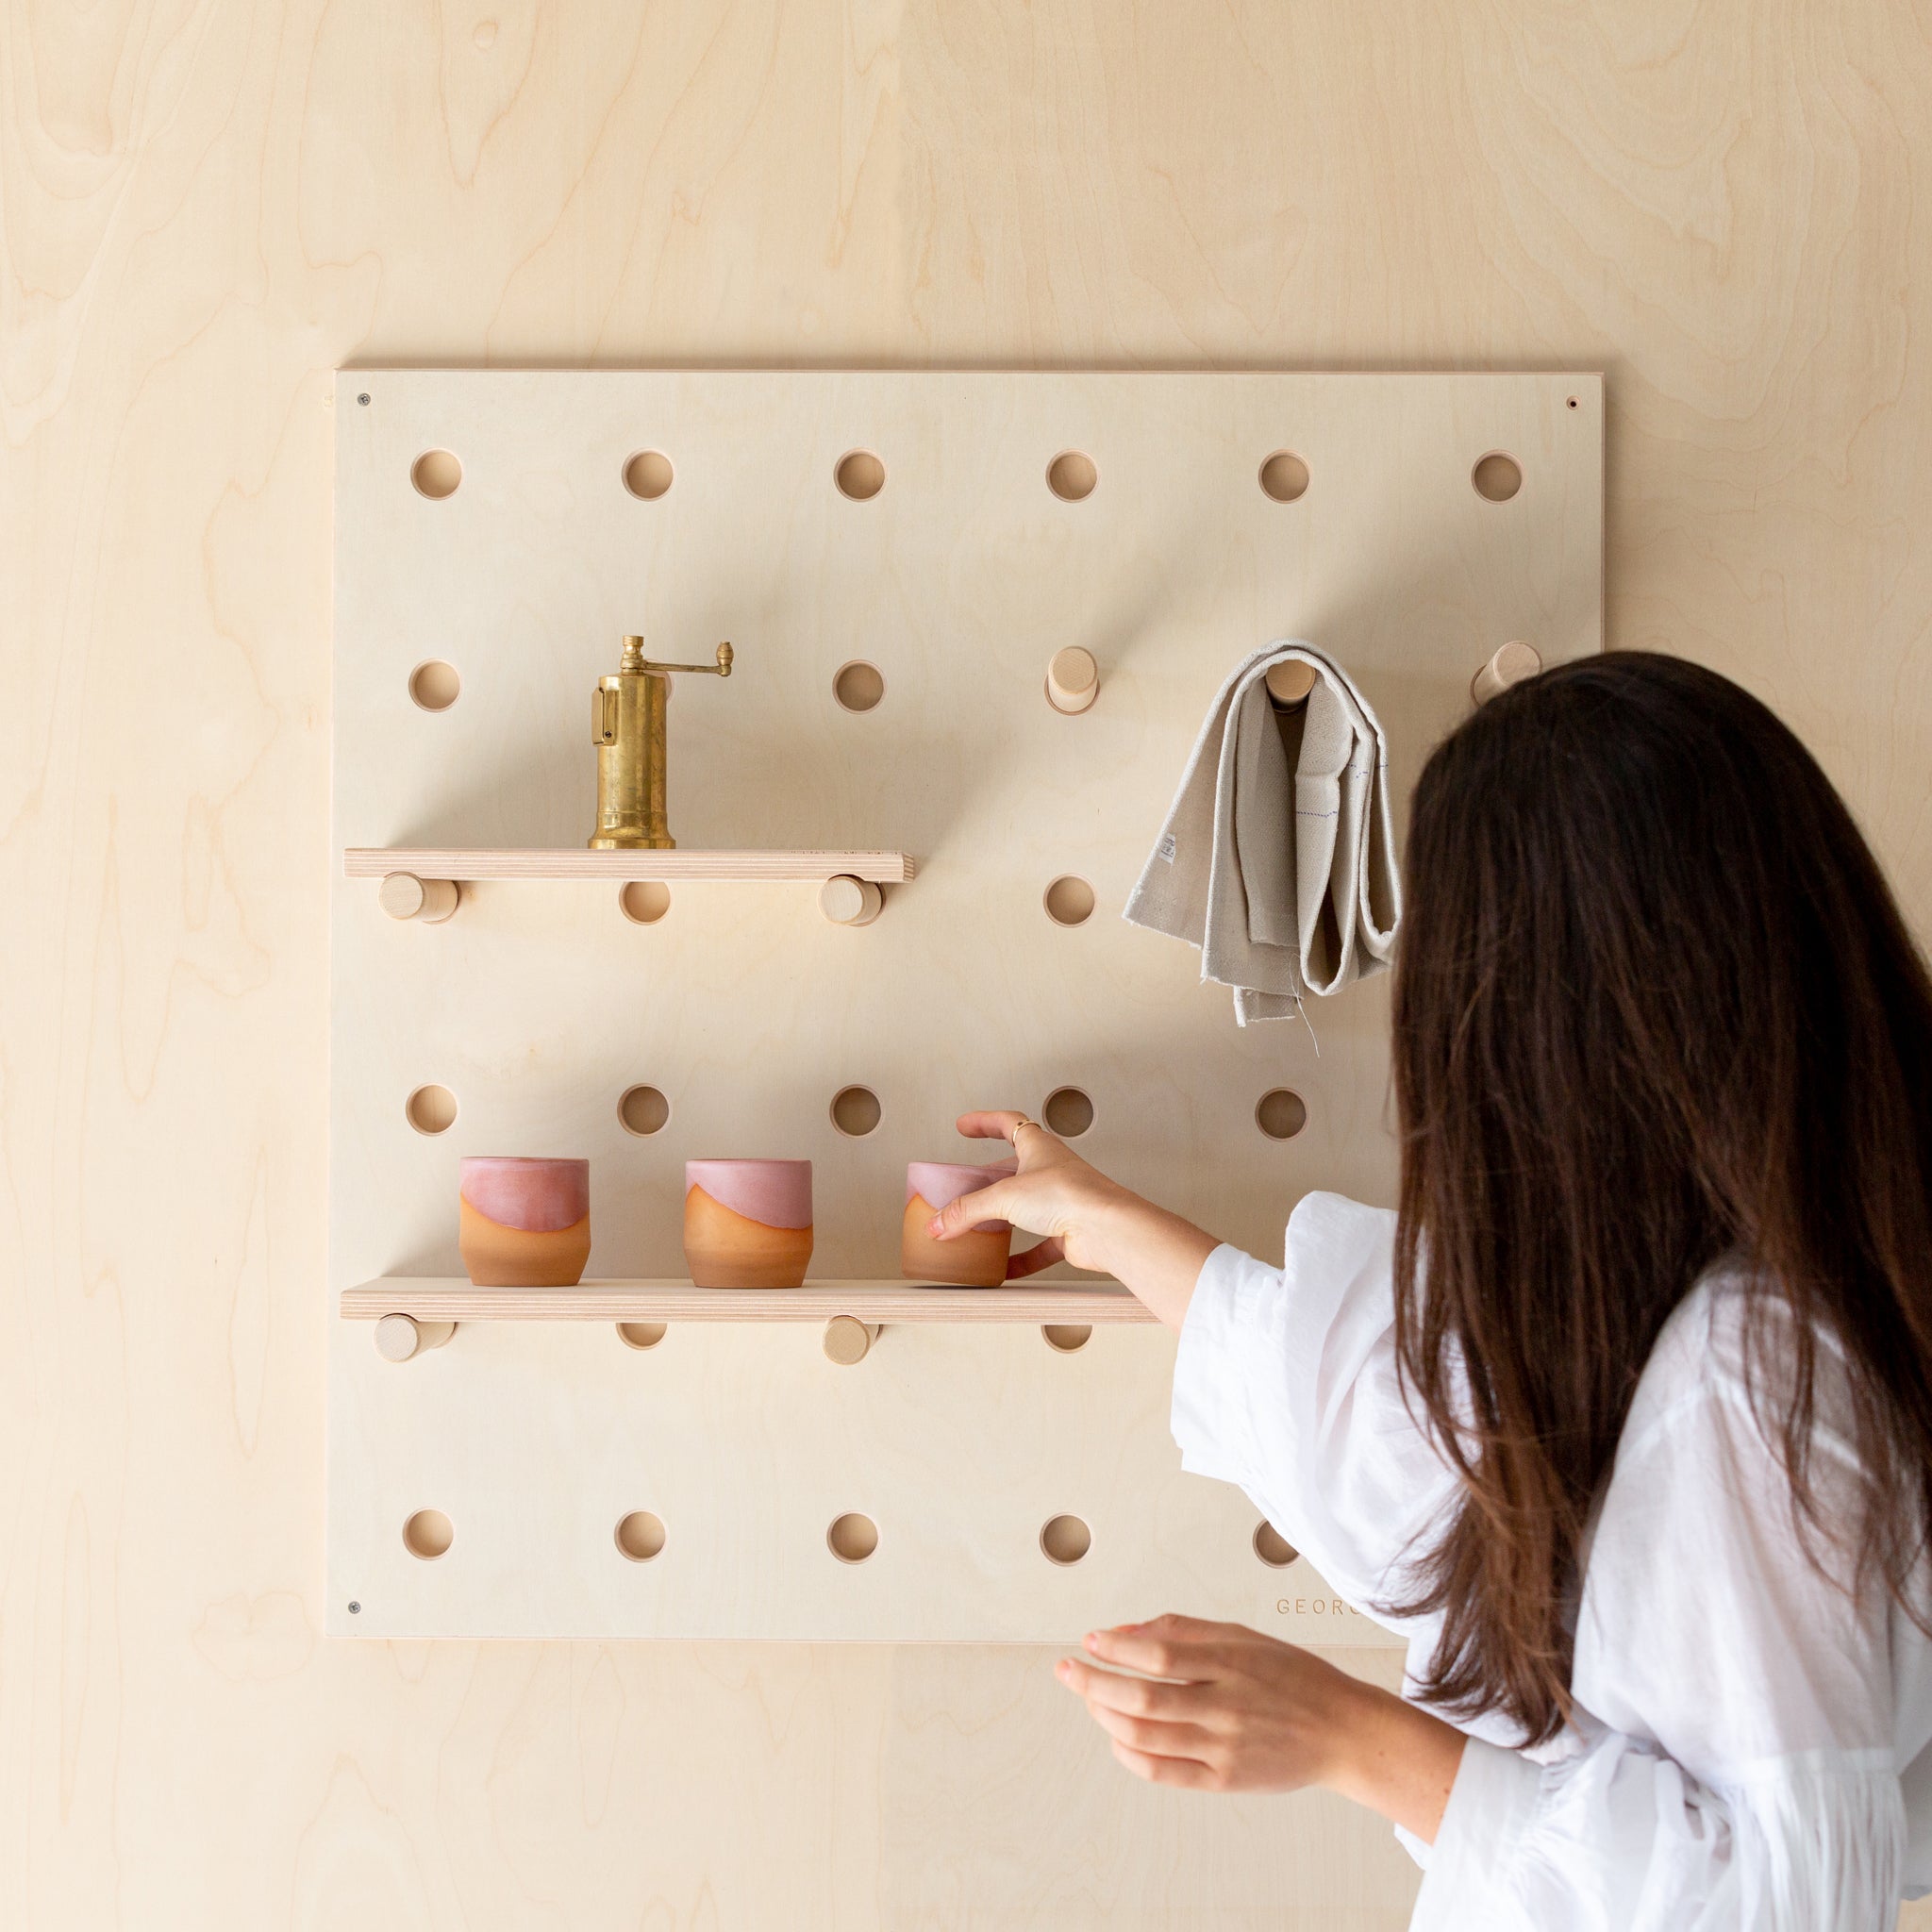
[[444, 1299]]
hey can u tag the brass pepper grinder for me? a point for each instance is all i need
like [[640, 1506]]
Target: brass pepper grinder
[[627, 716]]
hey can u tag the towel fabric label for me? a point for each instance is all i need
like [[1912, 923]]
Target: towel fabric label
[[1167, 848]]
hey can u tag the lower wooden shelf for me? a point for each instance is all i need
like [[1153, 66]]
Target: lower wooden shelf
[[430, 1299]]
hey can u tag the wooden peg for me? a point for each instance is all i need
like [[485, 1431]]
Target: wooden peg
[[403, 895], [399, 1337], [1289, 682], [1072, 680], [848, 1339], [1511, 664], [848, 901]]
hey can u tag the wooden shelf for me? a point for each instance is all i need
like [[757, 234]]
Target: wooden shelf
[[429, 1299], [438, 862]]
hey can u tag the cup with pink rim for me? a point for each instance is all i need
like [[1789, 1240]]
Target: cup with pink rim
[[524, 1221], [747, 1223], [975, 1259]]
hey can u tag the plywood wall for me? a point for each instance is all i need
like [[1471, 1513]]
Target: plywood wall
[[203, 211]]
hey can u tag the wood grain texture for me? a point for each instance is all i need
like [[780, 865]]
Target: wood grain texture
[[1729, 208]]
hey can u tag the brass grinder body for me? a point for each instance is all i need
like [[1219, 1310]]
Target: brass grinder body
[[629, 717]]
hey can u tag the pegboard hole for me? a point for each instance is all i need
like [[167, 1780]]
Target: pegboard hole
[[1273, 1547], [1498, 476], [1072, 475], [854, 1111], [431, 1109], [647, 474], [852, 1538], [858, 686], [644, 901], [1063, 1338], [642, 1111], [436, 473], [1065, 1539], [1281, 1113], [1067, 1112], [1284, 476], [1069, 901], [859, 474], [640, 1536], [434, 685], [642, 1333], [428, 1533]]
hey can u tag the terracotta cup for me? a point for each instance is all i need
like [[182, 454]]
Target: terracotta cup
[[524, 1222], [976, 1258], [747, 1223]]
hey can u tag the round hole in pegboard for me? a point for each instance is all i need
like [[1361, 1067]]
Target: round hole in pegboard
[[1273, 1547], [427, 1534], [858, 686], [639, 1536], [642, 1111], [1069, 901], [644, 901], [1568, 402], [434, 685], [1067, 1112], [1063, 1338], [1064, 1540], [647, 474], [431, 1109], [1498, 476], [852, 1538], [1072, 475], [854, 1111], [436, 473], [642, 1333], [1283, 477], [859, 474], [1281, 1113]]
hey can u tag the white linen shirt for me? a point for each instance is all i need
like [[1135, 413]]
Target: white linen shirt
[[1749, 1748]]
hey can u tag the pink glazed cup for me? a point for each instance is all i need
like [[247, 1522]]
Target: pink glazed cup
[[747, 1223], [976, 1258], [522, 1222]]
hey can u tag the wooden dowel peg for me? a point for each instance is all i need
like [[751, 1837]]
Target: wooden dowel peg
[[1511, 664], [1072, 680], [1289, 682], [399, 1337], [848, 901], [848, 1339], [403, 895]]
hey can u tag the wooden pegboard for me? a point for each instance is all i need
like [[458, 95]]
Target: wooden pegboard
[[540, 1003]]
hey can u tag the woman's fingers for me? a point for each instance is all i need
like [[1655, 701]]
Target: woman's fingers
[[1185, 1773], [1171, 1646], [1031, 1260], [995, 1203], [995, 1123], [1135, 1696], [1150, 1734]]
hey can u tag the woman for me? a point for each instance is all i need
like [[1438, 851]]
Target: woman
[[1624, 1417]]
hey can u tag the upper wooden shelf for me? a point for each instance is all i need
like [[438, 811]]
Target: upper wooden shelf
[[578, 863], [457, 1300]]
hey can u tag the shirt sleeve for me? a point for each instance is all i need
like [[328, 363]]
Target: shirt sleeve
[[1285, 1384], [1734, 1765]]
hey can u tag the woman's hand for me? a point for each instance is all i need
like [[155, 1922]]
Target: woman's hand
[[1087, 1218], [1218, 1707], [1055, 1194]]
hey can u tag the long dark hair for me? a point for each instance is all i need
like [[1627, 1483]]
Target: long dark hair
[[1654, 1007]]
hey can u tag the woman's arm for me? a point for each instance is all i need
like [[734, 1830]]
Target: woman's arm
[[1220, 1707], [1087, 1218]]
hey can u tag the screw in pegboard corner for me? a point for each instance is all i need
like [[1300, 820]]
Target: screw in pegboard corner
[[355, 1609], [363, 399]]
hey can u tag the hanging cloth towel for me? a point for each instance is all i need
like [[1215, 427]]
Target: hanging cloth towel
[[1277, 858]]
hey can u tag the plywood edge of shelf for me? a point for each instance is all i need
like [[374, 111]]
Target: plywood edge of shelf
[[443, 1300], [505, 862]]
